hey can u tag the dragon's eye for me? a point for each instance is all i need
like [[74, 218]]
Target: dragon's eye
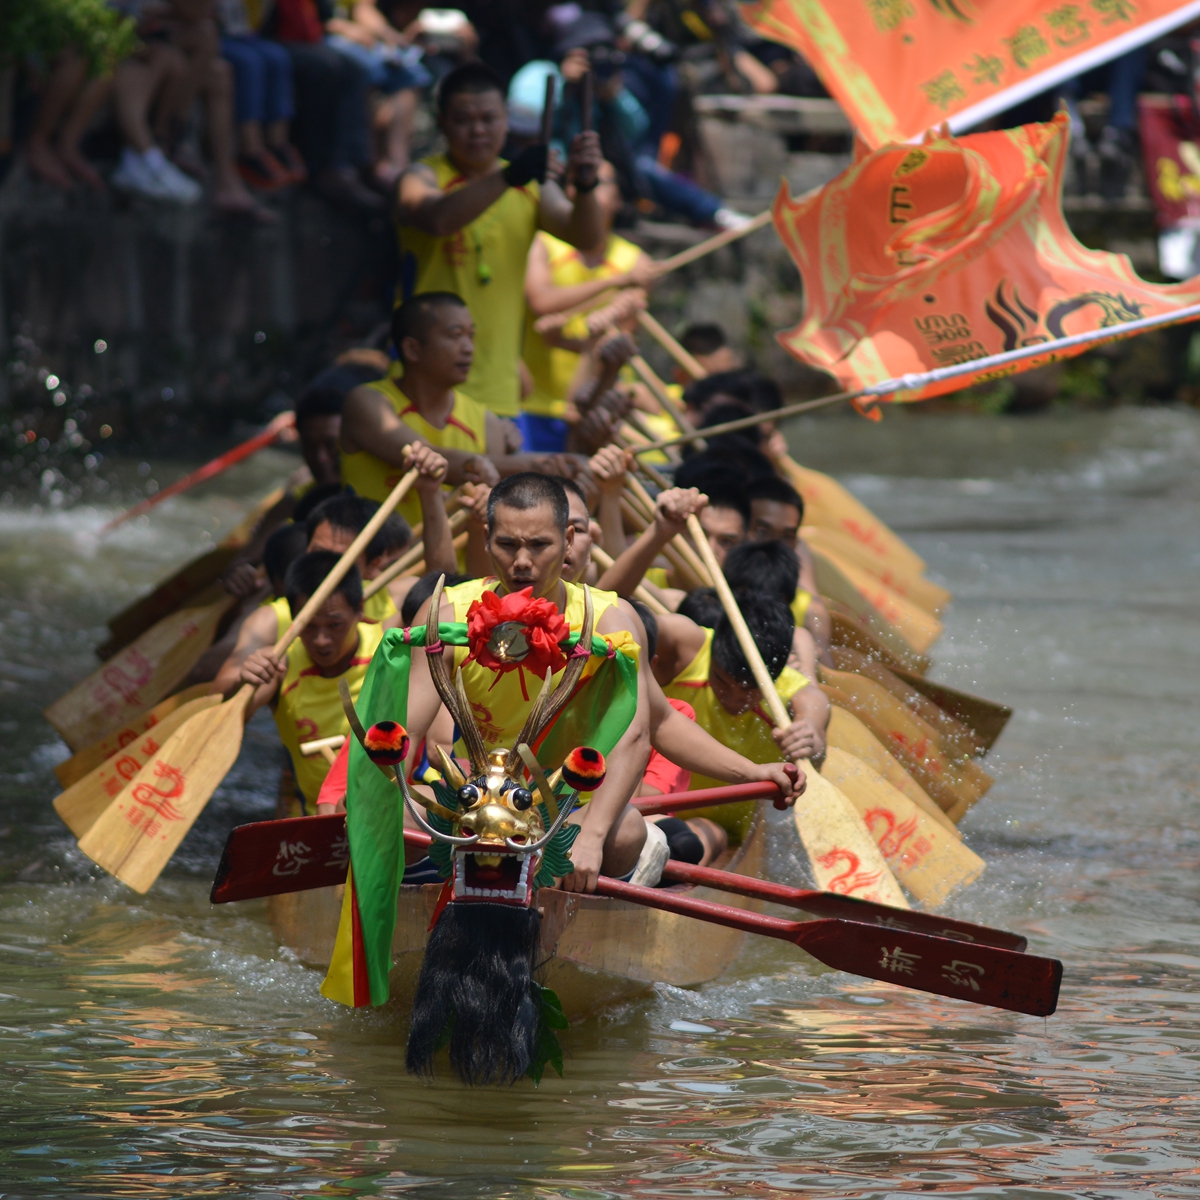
[[468, 794], [522, 798]]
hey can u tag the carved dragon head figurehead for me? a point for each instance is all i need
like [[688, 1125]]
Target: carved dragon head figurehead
[[501, 835]]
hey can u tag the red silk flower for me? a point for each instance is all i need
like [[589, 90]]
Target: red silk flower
[[537, 623]]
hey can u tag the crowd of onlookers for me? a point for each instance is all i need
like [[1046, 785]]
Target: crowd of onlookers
[[237, 100]]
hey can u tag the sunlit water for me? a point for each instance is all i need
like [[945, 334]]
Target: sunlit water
[[160, 1047]]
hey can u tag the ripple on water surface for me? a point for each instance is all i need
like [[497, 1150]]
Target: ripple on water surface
[[155, 1046]]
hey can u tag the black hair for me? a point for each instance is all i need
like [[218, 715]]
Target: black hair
[[701, 605], [315, 496], [771, 625], [307, 573], [527, 490], [477, 978], [704, 337], [282, 549], [413, 318], [351, 513], [770, 567], [319, 402], [422, 590], [736, 440], [771, 487], [572, 486], [745, 385], [650, 624], [725, 470], [472, 79]]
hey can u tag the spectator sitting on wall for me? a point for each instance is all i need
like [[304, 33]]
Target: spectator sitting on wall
[[69, 100]]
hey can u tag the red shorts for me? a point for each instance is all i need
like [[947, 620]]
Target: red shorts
[[661, 773]]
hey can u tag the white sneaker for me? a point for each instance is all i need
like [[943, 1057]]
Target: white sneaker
[[133, 175], [175, 184], [728, 218]]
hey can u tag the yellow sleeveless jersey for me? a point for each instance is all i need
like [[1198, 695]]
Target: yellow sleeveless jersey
[[283, 614], [553, 369], [309, 707], [800, 603], [749, 733], [465, 429], [484, 263], [499, 705]]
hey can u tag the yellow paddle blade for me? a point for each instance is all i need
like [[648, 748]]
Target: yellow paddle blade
[[827, 503], [954, 738], [90, 757], [137, 678], [954, 785], [848, 733], [83, 802], [985, 719], [136, 835], [834, 586], [915, 588], [843, 855], [927, 860], [917, 627]]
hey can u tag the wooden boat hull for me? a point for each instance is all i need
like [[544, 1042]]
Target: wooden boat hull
[[595, 951]]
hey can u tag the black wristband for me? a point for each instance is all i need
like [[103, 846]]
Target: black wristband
[[582, 189]]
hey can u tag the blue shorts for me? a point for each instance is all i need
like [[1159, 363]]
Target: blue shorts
[[542, 435]]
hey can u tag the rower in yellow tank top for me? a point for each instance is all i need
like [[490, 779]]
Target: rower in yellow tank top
[[551, 367], [465, 430], [748, 733], [484, 263], [502, 702], [309, 707]]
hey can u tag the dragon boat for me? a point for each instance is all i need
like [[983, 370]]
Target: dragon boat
[[593, 951]]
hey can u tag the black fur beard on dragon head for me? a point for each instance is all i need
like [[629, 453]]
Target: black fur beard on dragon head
[[478, 968], [497, 843]]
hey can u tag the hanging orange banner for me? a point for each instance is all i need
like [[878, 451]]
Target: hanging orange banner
[[918, 257], [900, 67]]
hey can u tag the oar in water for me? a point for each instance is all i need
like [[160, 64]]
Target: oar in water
[[136, 835], [841, 852], [84, 762], [298, 854], [1023, 983], [211, 469], [140, 675]]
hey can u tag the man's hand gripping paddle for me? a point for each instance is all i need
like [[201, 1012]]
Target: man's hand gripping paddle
[[136, 835]]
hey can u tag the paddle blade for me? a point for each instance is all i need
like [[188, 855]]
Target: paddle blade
[[1023, 983], [136, 835], [137, 678], [268, 858], [85, 761], [83, 802]]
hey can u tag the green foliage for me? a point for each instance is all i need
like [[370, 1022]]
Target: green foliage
[[45, 28], [549, 1050]]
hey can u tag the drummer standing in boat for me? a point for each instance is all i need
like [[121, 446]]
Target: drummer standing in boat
[[468, 217]]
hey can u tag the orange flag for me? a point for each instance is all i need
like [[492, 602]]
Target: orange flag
[[918, 257], [899, 67]]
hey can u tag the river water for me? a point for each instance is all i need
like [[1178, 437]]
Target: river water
[[156, 1046]]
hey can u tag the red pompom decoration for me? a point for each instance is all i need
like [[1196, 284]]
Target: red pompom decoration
[[583, 769], [386, 743], [505, 633]]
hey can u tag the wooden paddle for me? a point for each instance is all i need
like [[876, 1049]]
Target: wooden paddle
[[985, 718], [656, 606], [221, 463], [136, 835], [1021, 983], [927, 860], [841, 852], [297, 854], [178, 589], [671, 346], [85, 761], [83, 802], [140, 675]]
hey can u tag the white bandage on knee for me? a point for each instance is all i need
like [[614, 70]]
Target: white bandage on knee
[[653, 857]]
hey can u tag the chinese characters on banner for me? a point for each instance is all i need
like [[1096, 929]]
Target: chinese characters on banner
[[919, 257], [1170, 134], [900, 67]]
